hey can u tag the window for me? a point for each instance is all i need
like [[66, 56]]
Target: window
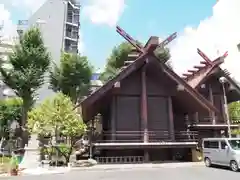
[[223, 144], [211, 144], [235, 144]]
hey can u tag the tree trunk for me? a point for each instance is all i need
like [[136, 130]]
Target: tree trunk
[[23, 129]]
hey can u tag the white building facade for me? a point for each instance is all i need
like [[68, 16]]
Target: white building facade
[[59, 22], [6, 48]]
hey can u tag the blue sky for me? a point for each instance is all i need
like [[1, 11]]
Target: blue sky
[[141, 20], [200, 24]]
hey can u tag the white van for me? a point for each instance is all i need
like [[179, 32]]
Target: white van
[[222, 151]]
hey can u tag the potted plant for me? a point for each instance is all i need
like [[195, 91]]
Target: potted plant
[[14, 165]]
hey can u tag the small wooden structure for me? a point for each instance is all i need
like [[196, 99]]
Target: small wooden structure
[[149, 113], [206, 80]]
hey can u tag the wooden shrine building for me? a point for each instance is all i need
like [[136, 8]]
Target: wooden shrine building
[[149, 113]]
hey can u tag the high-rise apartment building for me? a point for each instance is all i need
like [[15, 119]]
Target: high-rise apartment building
[[6, 48], [59, 22]]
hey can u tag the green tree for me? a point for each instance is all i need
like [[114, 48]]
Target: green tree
[[120, 53], [234, 111], [10, 110], [56, 117], [29, 61], [72, 77]]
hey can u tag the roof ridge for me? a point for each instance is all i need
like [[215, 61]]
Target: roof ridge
[[207, 63]]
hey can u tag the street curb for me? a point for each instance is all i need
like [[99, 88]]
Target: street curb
[[135, 166]]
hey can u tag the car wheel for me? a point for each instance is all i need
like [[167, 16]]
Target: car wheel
[[234, 166], [207, 162]]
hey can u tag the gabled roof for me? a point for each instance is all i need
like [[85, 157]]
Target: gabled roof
[[197, 77], [133, 67], [146, 52], [110, 84]]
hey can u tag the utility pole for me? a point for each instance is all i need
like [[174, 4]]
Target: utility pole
[[223, 80]]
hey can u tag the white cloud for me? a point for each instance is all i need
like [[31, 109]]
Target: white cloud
[[30, 6], [218, 33], [27, 6], [104, 11], [5, 20]]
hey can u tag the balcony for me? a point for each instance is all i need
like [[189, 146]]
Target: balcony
[[73, 21], [22, 25], [71, 35], [69, 49], [210, 122], [153, 136], [216, 120], [74, 4]]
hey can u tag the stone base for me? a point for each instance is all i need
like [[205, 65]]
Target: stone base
[[196, 155], [30, 159], [84, 163]]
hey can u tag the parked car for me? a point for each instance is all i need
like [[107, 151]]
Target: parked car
[[222, 151]]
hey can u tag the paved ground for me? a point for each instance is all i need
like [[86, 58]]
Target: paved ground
[[169, 172]]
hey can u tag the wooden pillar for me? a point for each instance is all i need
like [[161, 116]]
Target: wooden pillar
[[223, 108], [196, 117], [113, 119], [144, 116], [171, 120], [211, 113]]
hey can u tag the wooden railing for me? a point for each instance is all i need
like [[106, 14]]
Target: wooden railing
[[209, 120], [153, 136]]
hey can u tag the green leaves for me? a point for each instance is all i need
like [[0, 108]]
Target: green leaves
[[56, 114], [116, 60], [29, 61], [234, 112], [10, 110], [163, 54], [120, 54], [72, 77]]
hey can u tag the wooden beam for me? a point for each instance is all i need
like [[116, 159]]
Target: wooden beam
[[212, 114], [205, 103], [203, 62], [106, 87], [171, 120], [129, 39], [168, 40], [207, 60], [151, 44], [144, 108], [186, 74], [199, 67], [113, 119]]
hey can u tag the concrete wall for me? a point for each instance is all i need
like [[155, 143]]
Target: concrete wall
[[51, 20]]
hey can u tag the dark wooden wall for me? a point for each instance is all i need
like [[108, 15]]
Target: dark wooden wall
[[212, 85], [158, 92], [127, 109]]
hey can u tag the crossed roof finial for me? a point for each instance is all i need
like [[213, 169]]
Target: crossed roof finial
[[206, 63], [150, 46]]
